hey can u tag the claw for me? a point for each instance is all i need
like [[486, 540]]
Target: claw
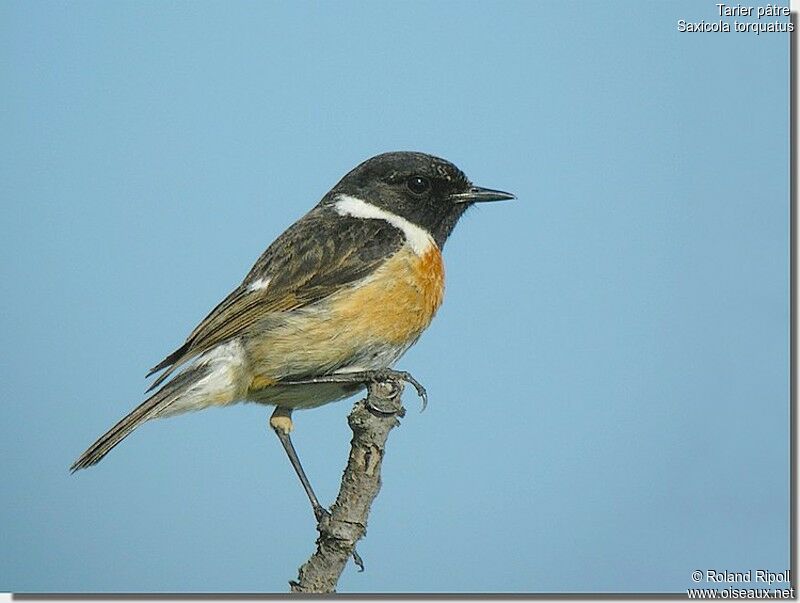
[[421, 392], [358, 560]]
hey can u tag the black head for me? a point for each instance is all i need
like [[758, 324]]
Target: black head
[[425, 190]]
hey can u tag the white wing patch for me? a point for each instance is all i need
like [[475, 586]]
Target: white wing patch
[[259, 284], [418, 238]]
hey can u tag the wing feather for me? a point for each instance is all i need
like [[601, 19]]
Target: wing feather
[[315, 257]]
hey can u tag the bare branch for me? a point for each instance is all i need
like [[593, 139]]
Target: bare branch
[[371, 421]]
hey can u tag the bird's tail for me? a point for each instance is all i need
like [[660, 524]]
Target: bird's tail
[[154, 406]]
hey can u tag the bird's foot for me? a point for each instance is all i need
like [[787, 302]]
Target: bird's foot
[[404, 377], [322, 514], [367, 377]]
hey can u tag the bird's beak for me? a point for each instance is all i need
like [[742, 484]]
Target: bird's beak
[[476, 194]]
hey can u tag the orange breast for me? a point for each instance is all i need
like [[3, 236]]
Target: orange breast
[[430, 275], [399, 302], [367, 325]]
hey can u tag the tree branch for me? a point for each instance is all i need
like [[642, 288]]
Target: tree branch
[[371, 421]]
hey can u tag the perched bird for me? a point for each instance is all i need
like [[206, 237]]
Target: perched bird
[[335, 300]]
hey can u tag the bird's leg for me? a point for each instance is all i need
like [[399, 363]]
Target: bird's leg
[[364, 377], [281, 423]]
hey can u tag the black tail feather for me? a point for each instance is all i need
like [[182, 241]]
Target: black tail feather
[[145, 411], [169, 360]]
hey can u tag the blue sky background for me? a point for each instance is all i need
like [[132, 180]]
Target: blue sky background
[[609, 372]]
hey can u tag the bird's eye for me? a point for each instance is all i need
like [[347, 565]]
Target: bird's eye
[[418, 184]]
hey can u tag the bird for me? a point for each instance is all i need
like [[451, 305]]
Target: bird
[[333, 302]]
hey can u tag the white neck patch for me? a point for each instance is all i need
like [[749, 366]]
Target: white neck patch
[[418, 238]]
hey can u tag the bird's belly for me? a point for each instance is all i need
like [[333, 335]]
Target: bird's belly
[[365, 327]]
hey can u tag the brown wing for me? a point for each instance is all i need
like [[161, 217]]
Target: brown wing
[[315, 257]]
